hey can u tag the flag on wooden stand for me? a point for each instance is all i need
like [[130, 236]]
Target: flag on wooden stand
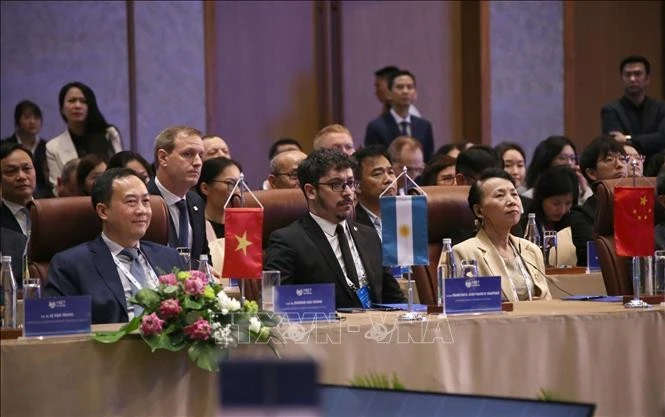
[[243, 249], [634, 231]]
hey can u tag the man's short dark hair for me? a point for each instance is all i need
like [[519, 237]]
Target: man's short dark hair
[[386, 72], [370, 151], [471, 162], [597, 149], [635, 59], [8, 148], [102, 188], [22, 107], [279, 142], [319, 162], [399, 74]]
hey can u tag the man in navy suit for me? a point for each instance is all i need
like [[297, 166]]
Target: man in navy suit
[[116, 264], [325, 246], [636, 119], [398, 121], [179, 157]]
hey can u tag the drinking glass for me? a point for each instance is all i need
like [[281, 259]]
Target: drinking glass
[[550, 249], [32, 288], [469, 268], [270, 280], [186, 254], [659, 272]]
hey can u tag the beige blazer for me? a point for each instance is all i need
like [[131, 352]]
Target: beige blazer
[[216, 252], [61, 150], [490, 263]]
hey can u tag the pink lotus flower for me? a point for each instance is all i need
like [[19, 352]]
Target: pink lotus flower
[[198, 274], [194, 286], [199, 330], [169, 308], [151, 325], [169, 279]]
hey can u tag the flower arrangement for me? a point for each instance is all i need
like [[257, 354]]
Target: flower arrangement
[[185, 311]]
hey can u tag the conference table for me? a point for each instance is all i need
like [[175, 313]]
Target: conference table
[[587, 351]]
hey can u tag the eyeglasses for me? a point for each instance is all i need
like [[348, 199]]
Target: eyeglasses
[[571, 159], [229, 183], [613, 158], [338, 186], [293, 175], [447, 180]]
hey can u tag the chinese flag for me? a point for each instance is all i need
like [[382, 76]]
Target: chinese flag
[[634, 231], [243, 251]]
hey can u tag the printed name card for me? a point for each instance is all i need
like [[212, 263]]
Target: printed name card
[[306, 302], [592, 261], [57, 316], [472, 295]]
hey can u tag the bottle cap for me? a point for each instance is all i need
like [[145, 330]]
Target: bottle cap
[[447, 240], [532, 215], [6, 258], [203, 257]]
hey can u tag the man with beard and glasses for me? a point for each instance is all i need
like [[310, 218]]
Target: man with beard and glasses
[[325, 246]]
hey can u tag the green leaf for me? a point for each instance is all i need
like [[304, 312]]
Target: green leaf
[[112, 337], [170, 289], [147, 298], [377, 380], [205, 355], [189, 304], [164, 341]]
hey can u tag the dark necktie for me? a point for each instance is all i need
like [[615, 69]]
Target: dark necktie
[[183, 226], [404, 128], [346, 255]]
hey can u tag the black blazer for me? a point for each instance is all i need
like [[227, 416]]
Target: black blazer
[[43, 188], [362, 217], [301, 252], [88, 269], [383, 129], [196, 209], [13, 244], [581, 225], [7, 219], [651, 138]]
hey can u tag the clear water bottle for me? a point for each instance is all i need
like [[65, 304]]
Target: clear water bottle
[[204, 267], [8, 293], [531, 233], [447, 268]]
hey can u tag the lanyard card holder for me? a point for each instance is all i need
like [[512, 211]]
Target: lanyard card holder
[[363, 296]]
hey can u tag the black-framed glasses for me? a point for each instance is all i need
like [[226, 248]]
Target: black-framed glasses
[[293, 175], [338, 186], [229, 183]]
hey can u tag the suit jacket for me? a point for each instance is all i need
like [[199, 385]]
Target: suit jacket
[[42, 189], [301, 252], [490, 263], [12, 244], [61, 150], [7, 219], [196, 210], [650, 139], [362, 217], [383, 129], [88, 269], [581, 224]]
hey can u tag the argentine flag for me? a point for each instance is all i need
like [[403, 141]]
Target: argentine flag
[[404, 231]]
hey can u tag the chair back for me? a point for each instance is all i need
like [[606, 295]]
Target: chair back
[[616, 269], [61, 223]]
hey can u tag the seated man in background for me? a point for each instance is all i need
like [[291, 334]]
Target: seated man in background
[[214, 146], [18, 184], [12, 244], [284, 169], [323, 246], [117, 263], [280, 145], [374, 172], [603, 159], [407, 152], [335, 136], [67, 184]]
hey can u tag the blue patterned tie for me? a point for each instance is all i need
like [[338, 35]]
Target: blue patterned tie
[[137, 271], [183, 226]]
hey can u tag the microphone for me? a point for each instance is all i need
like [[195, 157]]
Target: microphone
[[548, 279]]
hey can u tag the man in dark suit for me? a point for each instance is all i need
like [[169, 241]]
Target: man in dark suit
[[28, 123], [375, 173], [324, 246], [13, 244], [398, 121], [635, 118], [18, 185], [178, 159], [116, 264]]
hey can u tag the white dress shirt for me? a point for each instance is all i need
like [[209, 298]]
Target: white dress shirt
[[170, 199], [399, 119], [376, 221]]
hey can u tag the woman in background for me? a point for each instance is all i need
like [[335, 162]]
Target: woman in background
[[555, 194], [87, 131], [134, 161], [496, 205], [89, 168], [553, 151], [514, 162], [440, 171]]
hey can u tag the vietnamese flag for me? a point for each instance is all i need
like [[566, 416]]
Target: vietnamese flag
[[634, 231], [243, 248]]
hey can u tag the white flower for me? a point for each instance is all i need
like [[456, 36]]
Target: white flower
[[254, 325], [222, 335], [227, 304]]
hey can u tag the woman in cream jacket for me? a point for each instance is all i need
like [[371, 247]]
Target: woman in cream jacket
[[496, 204]]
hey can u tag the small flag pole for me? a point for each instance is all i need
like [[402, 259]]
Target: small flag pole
[[241, 186], [636, 302]]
